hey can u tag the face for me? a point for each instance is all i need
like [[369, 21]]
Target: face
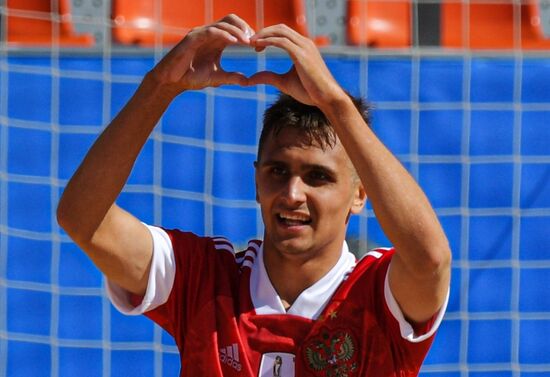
[[306, 195]]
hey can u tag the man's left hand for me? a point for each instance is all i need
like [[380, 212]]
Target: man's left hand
[[309, 80]]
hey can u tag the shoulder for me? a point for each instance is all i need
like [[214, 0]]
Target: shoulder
[[378, 258], [182, 241], [218, 247], [243, 257], [370, 270], [246, 258]]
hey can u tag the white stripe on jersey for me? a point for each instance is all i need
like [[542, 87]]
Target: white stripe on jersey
[[247, 263], [248, 259], [375, 254], [249, 254], [225, 247], [221, 243], [221, 239], [254, 246], [235, 352]]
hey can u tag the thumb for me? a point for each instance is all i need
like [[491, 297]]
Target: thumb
[[267, 78], [232, 78]]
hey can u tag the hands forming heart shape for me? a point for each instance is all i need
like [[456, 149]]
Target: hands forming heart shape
[[194, 63]]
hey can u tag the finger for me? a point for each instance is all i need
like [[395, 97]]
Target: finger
[[267, 78], [233, 19], [217, 34], [231, 78], [280, 42], [283, 37], [280, 30], [214, 38], [243, 36]]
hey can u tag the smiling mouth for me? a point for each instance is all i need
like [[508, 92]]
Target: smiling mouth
[[293, 219]]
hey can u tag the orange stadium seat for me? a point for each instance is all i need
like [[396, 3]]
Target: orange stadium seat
[[491, 25], [383, 23], [144, 22], [31, 22]]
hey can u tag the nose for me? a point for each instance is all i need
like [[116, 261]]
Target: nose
[[294, 191]]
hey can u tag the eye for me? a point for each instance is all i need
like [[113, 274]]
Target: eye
[[278, 171], [319, 176]]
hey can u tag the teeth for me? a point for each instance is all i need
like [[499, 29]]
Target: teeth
[[294, 217]]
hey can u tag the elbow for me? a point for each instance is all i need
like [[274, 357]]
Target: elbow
[[63, 216], [437, 261], [439, 252], [433, 253], [80, 221], [67, 221], [429, 262], [442, 263]]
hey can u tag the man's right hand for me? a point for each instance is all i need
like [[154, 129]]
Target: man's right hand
[[118, 244], [194, 63]]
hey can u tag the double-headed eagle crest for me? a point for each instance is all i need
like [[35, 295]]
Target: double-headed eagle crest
[[332, 355]]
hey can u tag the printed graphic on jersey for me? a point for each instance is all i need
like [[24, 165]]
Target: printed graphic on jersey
[[277, 364], [333, 353], [230, 356]]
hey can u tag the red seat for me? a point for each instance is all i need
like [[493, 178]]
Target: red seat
[[385, 24], [144, 22], [492, 25], [32, 22]]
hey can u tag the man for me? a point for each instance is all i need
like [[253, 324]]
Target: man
[[298, 300], [277, 365]]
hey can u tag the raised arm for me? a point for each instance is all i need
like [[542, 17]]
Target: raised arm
[[420, 269], [118, 243]]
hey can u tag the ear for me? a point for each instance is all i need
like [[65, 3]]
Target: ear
[[359, 199]]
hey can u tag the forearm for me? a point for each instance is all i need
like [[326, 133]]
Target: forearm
[[115, 240], [102, 174], [400, 205]]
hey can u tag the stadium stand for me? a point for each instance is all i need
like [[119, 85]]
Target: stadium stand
[[36, 22], [379, 24], [142, 22], [492, 25]]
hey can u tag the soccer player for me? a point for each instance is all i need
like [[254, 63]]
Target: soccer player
[[296, 303]]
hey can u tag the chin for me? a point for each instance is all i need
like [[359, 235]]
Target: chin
[[293, 247]]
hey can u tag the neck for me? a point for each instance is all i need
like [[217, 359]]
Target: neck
[[290, 275]]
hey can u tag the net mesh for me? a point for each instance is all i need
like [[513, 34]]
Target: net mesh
[[470, 125]]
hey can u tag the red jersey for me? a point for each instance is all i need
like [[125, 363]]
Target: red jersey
[[227, 319]]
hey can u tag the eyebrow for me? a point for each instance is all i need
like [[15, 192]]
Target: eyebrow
[[325, 168]]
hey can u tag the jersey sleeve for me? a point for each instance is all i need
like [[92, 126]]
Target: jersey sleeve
[[408, 345], [203, 271], [187, 272], [407, 331], [392, 314], [159, 285]]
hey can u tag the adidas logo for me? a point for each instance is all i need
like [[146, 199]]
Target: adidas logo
[[230, 356]]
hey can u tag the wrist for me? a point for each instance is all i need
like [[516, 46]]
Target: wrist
[[336, 105], [155, 88]]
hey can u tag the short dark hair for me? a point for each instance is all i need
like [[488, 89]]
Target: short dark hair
[[287, 112]]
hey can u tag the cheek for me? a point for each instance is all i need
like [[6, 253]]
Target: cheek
[[264, 195], [333, 204], [266, 198], [337, 204]]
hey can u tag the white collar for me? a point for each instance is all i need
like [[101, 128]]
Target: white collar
[[311, 302]]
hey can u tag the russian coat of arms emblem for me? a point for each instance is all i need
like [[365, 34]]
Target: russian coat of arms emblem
[[332, 354]]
